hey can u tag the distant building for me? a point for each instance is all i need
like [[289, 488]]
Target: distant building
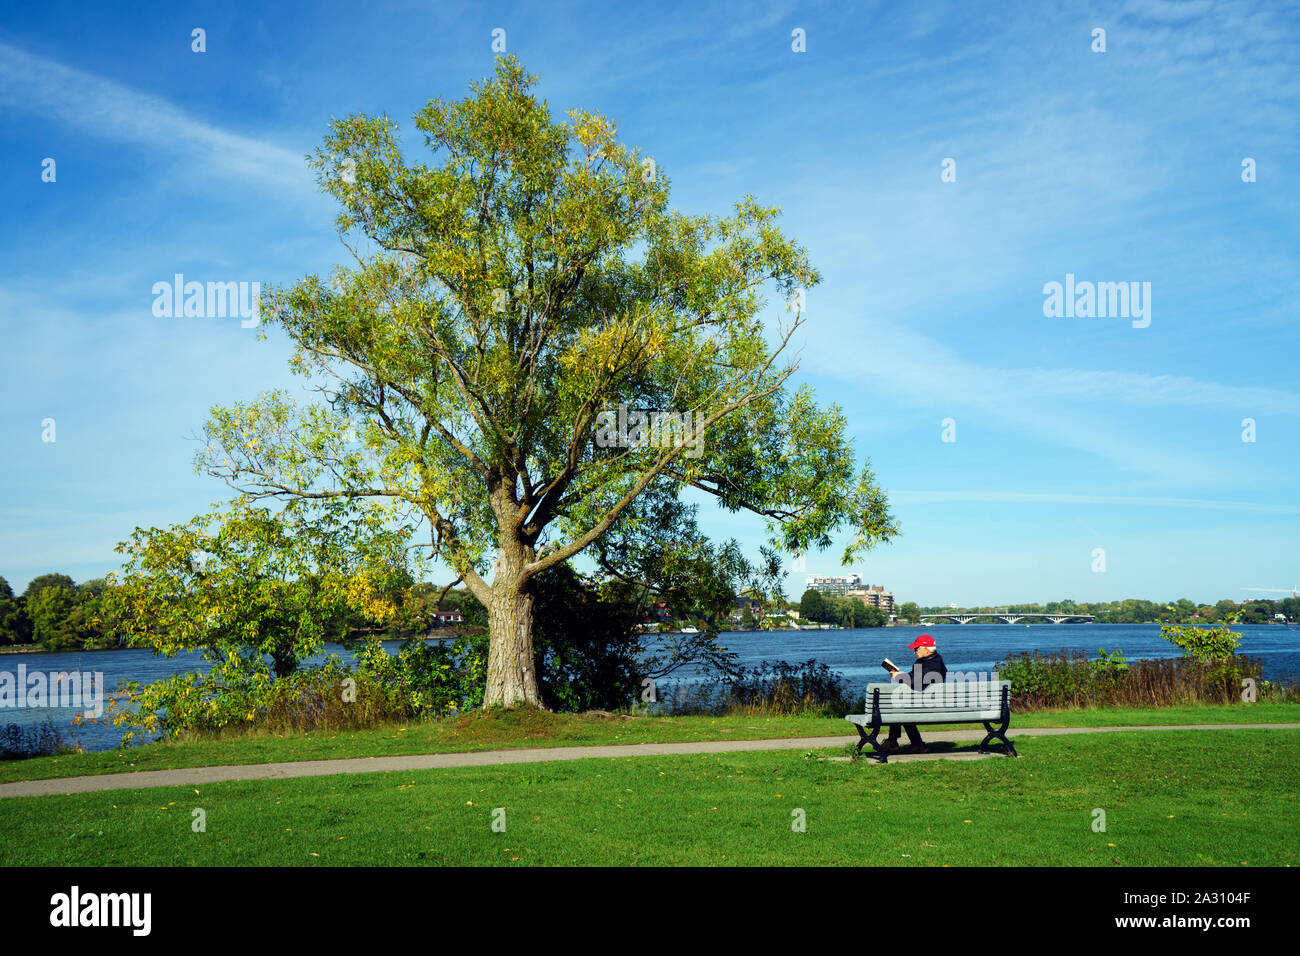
[[660, 613], [443, 618], [875, 596], [739, 605], [840, 585]]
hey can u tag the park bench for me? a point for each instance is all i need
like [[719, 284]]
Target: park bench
[[954, 702]]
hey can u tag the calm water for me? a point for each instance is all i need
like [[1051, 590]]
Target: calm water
[[979, 647], [856, 654]]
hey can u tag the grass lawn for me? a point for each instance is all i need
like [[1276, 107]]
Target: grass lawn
[[527, 728], [1170, 798]]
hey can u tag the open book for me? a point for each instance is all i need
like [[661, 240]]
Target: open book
[[889, 665]]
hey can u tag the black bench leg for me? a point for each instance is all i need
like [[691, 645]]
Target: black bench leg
[[1011, 748], [870, 738], [1000, 732], [881, 755]]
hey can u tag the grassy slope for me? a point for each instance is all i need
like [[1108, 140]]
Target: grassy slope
[[1169, 800], [533, 729]]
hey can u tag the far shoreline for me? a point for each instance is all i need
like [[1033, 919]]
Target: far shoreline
[[454, 634]]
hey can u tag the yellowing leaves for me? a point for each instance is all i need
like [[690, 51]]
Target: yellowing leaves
[[364, 593]]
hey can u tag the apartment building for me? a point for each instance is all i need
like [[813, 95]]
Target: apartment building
[[839, 585], [874, 595]]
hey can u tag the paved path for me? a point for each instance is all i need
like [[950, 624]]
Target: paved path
[[485, 758]]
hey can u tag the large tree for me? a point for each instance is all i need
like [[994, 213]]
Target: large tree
[[500, 302]]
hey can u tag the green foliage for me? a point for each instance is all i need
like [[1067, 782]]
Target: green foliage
[[843, 611], [586, 644], [1132, 611], [812, 606], [44, 613], [781, 687], [58, 614], [253, 583], [1202, 644], [1112, 664], [48, 610], [15, 625], [1257, 612], [436, 678], [866, 616], [18, 742], [1072, 680], [42, 581], [910, 612], [241, 694]]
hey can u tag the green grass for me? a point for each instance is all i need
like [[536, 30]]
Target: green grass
[[1171, 799], [1261, 713], [530, 728]]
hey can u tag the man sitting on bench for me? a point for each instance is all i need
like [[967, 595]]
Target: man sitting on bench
[[928, 669]]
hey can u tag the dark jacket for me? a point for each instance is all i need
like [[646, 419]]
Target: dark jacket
[[926, 671]]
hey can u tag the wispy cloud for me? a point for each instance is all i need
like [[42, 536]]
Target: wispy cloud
[[110, 110], [1046, 404]]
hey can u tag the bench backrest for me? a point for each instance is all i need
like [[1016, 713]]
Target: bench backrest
[[954, 700]]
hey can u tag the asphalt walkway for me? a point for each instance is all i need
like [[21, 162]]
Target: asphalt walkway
[[193, 776]]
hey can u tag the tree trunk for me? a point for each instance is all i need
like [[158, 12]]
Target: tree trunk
[[511, 674]]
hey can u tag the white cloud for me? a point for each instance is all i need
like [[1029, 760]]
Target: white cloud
[[1045, 404], [105, 108]]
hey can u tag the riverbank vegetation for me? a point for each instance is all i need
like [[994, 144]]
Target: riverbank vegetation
[[1208, 672]]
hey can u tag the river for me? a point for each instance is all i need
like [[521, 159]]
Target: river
[[855, 653]]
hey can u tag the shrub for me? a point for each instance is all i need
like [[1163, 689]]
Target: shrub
[[1201, 644], [420, 680], [1072, 680], [18, 742], [586, 644], [772, 687]]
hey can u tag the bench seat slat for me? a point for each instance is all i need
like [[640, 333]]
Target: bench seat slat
[[955, 702], [929, 716]]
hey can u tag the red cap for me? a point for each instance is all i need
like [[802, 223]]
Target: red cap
[[925, 640]]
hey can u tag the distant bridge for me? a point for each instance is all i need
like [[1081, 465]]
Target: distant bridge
[[962, 618]]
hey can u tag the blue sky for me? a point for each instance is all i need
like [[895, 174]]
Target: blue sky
[[1072, 434]]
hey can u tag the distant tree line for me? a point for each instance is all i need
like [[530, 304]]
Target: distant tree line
[[1134, 611], [54, 612]]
